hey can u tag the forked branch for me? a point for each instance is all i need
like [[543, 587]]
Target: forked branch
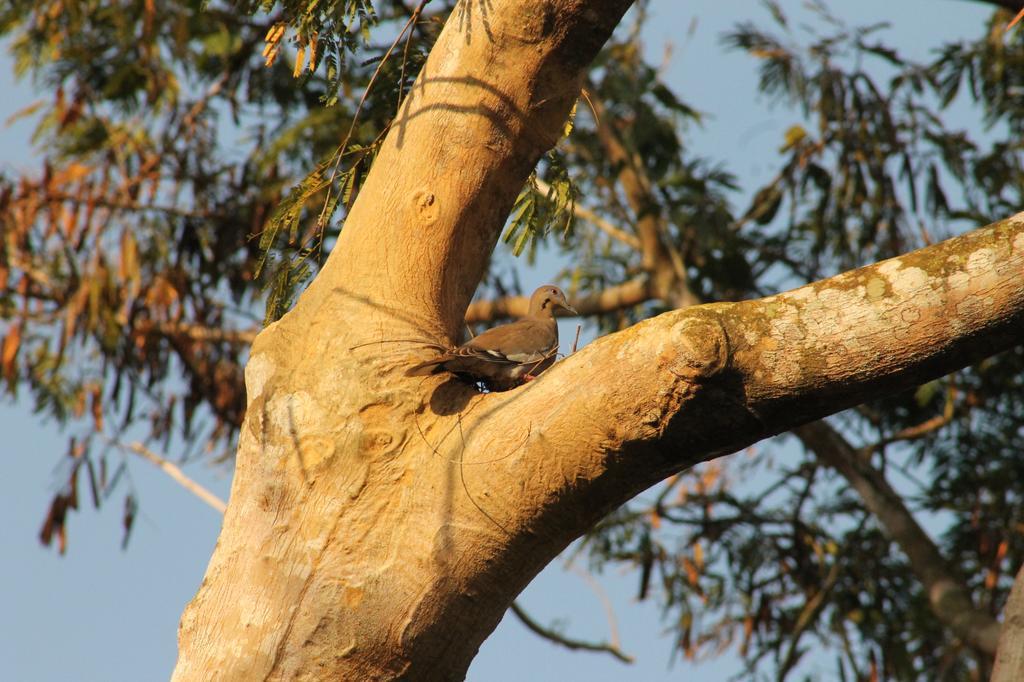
[[689, 385]]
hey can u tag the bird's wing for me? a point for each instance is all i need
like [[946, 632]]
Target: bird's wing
[[526, 340]]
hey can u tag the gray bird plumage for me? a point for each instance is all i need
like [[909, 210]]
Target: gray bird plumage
[[505, 356]]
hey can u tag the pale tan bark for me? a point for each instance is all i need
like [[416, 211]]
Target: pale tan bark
[[1009, 665], [379, 526], [344, 549]]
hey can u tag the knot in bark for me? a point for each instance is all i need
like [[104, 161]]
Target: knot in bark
[[702, 346]]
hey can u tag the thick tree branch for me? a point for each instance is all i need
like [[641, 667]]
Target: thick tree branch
[[324, 422], [690, 385], [490, 100], [379, 526], [927, 311], [794, 357], [626, 295], [1010, 655], [950, 600]]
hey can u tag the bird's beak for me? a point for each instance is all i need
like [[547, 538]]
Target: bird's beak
[[565, 304]]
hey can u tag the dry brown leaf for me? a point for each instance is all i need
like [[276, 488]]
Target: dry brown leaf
[[24, 112], [686, 641], [67, 175], [128, 267], [97, 407], [692, 574], [710, 476], [273, 40], [748, 631], [9, 351]]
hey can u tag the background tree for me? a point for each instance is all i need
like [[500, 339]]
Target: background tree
[[131, 260]]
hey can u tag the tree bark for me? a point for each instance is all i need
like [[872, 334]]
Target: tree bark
[[949, 598], [338, 504], [378, 525], [1010, 655]]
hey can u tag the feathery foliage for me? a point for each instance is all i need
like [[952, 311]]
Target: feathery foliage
[[197, 161]]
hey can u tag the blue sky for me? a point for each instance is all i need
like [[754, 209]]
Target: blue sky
[[102, 614]]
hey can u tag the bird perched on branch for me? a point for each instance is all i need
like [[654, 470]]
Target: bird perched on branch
[[508, 355]]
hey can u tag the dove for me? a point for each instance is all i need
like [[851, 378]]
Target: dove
[[505, 356]]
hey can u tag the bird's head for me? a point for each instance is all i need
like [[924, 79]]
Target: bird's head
[[546, 299]]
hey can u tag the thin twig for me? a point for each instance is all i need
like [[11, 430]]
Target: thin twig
[[405, 52], [807, 616], [198, 332], [574, 644], [1020, 15], [188, 122], [910, 433], [922, 429], [125, 205], [359, 108], [606, 603], [178, 475], [593, 110], [29, 269]]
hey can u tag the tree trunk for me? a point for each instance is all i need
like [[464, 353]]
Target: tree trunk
[[341, 509], [1010, 655], [949, 597], [379, 525]]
